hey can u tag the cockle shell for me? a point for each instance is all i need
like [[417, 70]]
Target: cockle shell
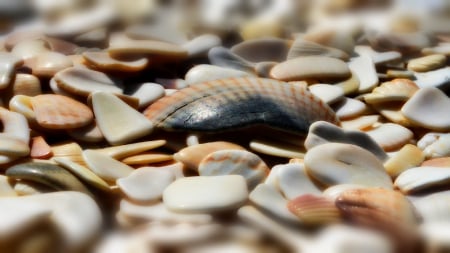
[[239, 102]]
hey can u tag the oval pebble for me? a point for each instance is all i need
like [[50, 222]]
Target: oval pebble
[[206, 194], [349, 108], [422, 178], [336, 163]]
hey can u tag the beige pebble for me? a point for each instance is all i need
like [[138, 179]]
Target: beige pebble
[[25, 84], [360, 123], [215, 193], [422, 178], [235, 162], [427, 63], [390, 136], [336, 163], [407, 157], [47, 64], [113, 116], [310, 67], [106, 167], [145, 184], [199, 46], [104, 62], [349, 108]]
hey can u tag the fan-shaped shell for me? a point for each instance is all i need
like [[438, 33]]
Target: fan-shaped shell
[[240, 102]]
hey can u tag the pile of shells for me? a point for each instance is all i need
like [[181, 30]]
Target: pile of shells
[[224, 126]]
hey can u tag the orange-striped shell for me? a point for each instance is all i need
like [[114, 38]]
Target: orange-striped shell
[[239, 102]]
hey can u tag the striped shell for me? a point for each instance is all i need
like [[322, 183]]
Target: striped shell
[[240, 102]]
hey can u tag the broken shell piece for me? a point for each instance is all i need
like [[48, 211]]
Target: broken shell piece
[[25, 84], [213, 194], [148, 93], [118, 122], [70, 150], [349, 108], [89, 133], [8, 63], [223, 57], [40, 148], [427, 63], [199, 46], [328, 93], [205, 72], [334, 191], [147, 158], [417, 109], [262, 50], [350, 85], [314, 210], [437, 162], [434, 207], [122, 151], [435, 144], [360, 123], [392, 112], [83, 81], [106, 167], [47, 64], [390, 136], [192, 156], [422, 178], [235, 162], [146, 184], [48, 174], [407, 157], [15, 128], [103, 61], [435, 78], [395, 90], [6, 189], [336, 163], [293, 181], [60, 112], [277, 148], [364, 68]]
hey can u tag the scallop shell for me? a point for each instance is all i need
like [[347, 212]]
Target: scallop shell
[[395, 90], [240, 102], [314, 210]]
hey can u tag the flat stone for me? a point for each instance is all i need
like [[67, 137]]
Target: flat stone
[[349, 108], [206, 194], [310, 67], [204, 72], [364, 68], [106, 167], [428, 108], [336, 163], [427, 63], [118, 122], [146, 184], [327, 93]]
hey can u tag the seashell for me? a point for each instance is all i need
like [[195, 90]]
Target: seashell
[[15, 131], [223, 57], [395, 90], [392, 111], [435, 144], [60, 112], [103, 61], [407, 157], [29, 48], [199, 46], [263, 49], [427, 63], [234, 162], [434, 207], [379, 58], [314, 210], [47, 64], [403, 74], [436, 235], [337, 163], [270, 199], [70, 150], [350, 85], [329, 94], [82, 81], [437, 162], [311, 67], [6, 189], [25, 84], [349, 108], [26, 187], [301, 48], [176, 168], [435, 78], [293, 180], [8, 63], [22, 105], [401, 42], [89, 133], [83, 173], [277, 148], [147, 158], [259, 28], [334, 191], [145, 184], [422, 178], [122, 151], [360, 123], [341, 39], [40, 148], [439, 49], [322, 132], [48, 174], [147, 93], [97, 36], [262, 69], [364, 68], [205, 72], [159, 212], [390, 136], [120, 44], [106, 167], [229, 192], [187, 107], [108, 108], [417, 109]]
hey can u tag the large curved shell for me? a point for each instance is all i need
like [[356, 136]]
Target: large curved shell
[[240, 102]]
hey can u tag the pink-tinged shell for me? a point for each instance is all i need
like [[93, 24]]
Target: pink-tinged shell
[[314, 210], [39, 148], [60, 112], [240, 102]]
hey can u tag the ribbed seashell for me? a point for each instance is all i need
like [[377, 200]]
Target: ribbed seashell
[[70, 150], [60, 112], [239, 102], [422, 178], [395, 90], [302, 47], [235, 162], [25, 84], [314, 210]]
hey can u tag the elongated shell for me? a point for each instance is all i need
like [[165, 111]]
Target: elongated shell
[[240, 102]]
